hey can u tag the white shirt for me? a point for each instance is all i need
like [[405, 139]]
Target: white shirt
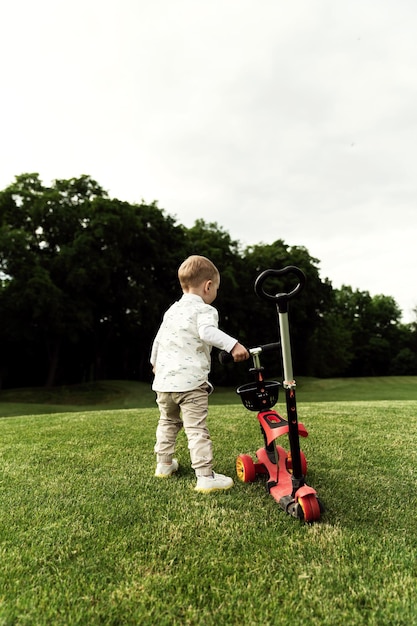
[[181, 352]]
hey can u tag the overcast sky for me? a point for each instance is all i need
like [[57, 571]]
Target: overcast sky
[[277, 120]]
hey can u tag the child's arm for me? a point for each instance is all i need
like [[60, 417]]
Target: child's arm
[[219, 339]]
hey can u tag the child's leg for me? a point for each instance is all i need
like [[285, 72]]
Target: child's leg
[[168, 427], [194, 409]]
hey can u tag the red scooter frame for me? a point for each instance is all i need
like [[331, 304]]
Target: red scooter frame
[[285, 471]]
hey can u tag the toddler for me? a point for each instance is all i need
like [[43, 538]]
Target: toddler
[[181, 360]]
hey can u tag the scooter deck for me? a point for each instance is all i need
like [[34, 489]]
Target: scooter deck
[[274, 425], [280, 484], [279, 479]]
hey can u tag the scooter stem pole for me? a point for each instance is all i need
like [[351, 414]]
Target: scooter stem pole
[[286, 348], [289, 385]]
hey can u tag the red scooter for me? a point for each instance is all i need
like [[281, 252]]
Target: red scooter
[[285, 471]]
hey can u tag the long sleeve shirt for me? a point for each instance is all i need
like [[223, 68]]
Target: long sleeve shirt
[[181, 352]]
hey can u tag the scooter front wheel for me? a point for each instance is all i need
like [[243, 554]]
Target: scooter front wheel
[[310, 507], [245, 468]]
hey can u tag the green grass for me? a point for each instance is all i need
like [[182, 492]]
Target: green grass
[[89, 536], [119, 394], [106, 395]]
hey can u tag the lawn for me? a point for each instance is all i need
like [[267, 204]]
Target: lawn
[[122, 394], [89, 536]]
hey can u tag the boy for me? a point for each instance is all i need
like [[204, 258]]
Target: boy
[[181, 363]]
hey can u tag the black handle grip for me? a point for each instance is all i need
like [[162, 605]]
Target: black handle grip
[[281, 299], [226, 357], [266, 347]]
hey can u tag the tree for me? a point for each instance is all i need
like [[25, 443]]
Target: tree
[[37, 225], [85, 277], [304, 312], [85, 280], [133, 252], [372, 330]]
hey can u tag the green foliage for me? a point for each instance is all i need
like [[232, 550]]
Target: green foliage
[[373, 330], [405, 361], [85, 280], [304, 313], [82, 274]]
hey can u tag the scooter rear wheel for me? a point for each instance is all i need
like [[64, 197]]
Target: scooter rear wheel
[[245, 468], [303, 463], [310, 507]]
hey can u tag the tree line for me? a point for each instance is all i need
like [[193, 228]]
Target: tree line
[[85, 280]]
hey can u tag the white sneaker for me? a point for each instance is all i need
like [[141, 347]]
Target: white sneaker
[[163, 470], [216, 482]]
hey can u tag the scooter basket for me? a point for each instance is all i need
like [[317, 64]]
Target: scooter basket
[[259, 396]]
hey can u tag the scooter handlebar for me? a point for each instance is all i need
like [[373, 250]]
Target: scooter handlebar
[[226, 357], [281, 299]]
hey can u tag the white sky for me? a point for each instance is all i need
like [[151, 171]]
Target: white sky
[[276, 119]]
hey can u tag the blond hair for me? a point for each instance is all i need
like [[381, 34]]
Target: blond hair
[[195, 270]]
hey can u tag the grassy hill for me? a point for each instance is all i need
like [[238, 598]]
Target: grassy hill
[[119, 394]]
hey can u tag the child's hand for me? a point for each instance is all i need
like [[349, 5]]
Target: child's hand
[[239, 352]]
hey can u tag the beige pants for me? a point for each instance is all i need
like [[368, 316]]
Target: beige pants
[[186, 409]]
